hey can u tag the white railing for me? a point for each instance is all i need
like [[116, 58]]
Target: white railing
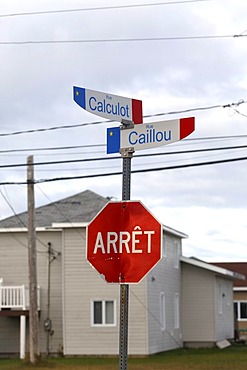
[[16, 297]]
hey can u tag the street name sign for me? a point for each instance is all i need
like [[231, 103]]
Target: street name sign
[[124, 242], [149, 135], [109, 106]]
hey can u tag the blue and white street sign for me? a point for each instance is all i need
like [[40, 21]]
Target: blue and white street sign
[[149, 135], [108, 106]]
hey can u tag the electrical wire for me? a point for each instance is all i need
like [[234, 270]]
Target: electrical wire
[[208, 163], [35, 164], [12, 209], [229, 105], [22, 223], [112, 7], [100, 167], [154, 317], [241, 114], [144, 170], [207, 138], [140, 39], [51, 148], [56, 205]]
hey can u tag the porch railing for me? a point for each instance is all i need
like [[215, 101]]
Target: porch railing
[[16, 297]]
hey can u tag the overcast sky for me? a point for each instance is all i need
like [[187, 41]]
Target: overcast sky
[[197, 64]]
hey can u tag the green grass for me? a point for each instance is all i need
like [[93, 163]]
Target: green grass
[[233, 358]]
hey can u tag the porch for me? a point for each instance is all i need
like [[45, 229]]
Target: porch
[[14, 300]]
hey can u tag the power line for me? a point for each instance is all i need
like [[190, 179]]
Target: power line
[[208, 163], [229, 105], [52, 128], [65, 216], [118, 157], [216, 137], [224, 137], [155, 317], [21, 222], [241, 114], [141, 39], [51, 148], [12, 209], [100, 8], [146, 170]]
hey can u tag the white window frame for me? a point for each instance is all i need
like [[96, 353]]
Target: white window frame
[[220, 299], [103, 324], [164, 247], [162, 311], [239, 310], [176, 311], [228, 295], [176, 254]]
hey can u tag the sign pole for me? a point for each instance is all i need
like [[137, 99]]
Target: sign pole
[[126, 154]]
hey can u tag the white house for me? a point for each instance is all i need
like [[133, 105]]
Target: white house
[[79, 311]]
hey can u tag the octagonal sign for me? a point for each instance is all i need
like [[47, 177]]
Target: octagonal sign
[[124, 242]]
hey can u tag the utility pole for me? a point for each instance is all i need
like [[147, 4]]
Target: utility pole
[[48, 322], [33, 301]]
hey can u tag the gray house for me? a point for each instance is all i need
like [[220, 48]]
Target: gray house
[[207, 309], [79, 311]]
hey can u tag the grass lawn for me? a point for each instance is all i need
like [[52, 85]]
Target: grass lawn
[[233, 358]]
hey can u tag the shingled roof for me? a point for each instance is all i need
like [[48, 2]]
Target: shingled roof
[[81, 207], [240, 267]]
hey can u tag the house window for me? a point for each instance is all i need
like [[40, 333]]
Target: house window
[[103, 313], [243, 310], [240, 310], [162, 311], [176, 311]]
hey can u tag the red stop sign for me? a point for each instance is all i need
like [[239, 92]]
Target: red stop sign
[[124, 242]]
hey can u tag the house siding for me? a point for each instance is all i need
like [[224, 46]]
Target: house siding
[[164, 278], [82, 284], [239, 293], [198, 305], [240, 296], [224, 309], [138, 316], [207, 307], [190, 291], [9, 337], [14, 271]]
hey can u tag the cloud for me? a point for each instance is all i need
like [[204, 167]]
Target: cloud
[[172, 75], [214, 234]]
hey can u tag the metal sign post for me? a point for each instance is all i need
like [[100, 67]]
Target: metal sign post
[[127, 138], [126, 154]]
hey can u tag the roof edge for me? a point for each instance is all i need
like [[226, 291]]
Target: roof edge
[[25, 230], [172, 231], [212, 268], [68, 225]]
